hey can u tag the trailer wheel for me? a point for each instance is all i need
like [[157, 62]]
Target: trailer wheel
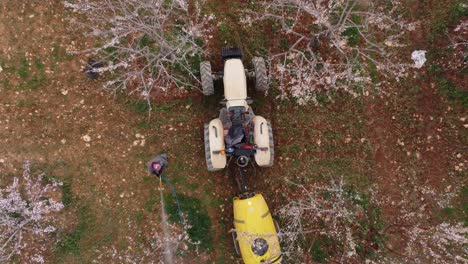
[[276, 226], [235, 242]]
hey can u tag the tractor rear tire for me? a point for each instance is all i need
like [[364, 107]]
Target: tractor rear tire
[[209, 163], [261, 77], [272, 146], [206, 78]]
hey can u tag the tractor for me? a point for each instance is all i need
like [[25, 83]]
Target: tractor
[[237, 133], [240, 135]]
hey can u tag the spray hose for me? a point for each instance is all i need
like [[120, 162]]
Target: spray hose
[[174, 193]]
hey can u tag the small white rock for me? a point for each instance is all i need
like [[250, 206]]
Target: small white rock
[[2, 160], [63, 141], [64, 92], [419, 58], [86, 138], [401, 143]]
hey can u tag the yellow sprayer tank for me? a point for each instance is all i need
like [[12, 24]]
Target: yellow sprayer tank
[[255, 229]]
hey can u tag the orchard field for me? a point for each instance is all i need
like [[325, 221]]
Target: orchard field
[[370, 151]]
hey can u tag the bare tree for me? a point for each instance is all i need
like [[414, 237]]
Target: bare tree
[[334, 44], [443, 243], [420, 234], [353, 222], [144, 44], [329, 211], [26, 215], [459, 43]]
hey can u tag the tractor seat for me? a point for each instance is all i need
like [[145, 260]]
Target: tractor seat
[[235, 135]]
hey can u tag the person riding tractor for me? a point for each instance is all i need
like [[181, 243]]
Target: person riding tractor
[[238, 132]]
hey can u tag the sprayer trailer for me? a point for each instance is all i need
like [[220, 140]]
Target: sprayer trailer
[[255, 234], [237, 133]]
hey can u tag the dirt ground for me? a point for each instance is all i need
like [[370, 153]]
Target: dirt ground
[[98, 142]]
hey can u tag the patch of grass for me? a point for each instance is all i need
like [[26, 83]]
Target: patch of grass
[[192, 186], [32, 77], [56, 171], [67, 196], [318, 251], [447, 212], [144, 125], [457, 211], [374, 73], [224, 31], [23, 69], [26, 103], [6, 84], [455, 12], [437, 37], [196, 215], [259, 102], [447, 87], [60, 54], [353, 36], [145, 42], [39, 65], [452, 91], [150, 204], [139, 106], [323, 98], [370, 226], [111, 53], [139, 217], [71, 243], [464, 205]]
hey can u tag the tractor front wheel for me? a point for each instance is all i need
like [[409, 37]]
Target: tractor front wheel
[[206, 78], [261, 77]]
